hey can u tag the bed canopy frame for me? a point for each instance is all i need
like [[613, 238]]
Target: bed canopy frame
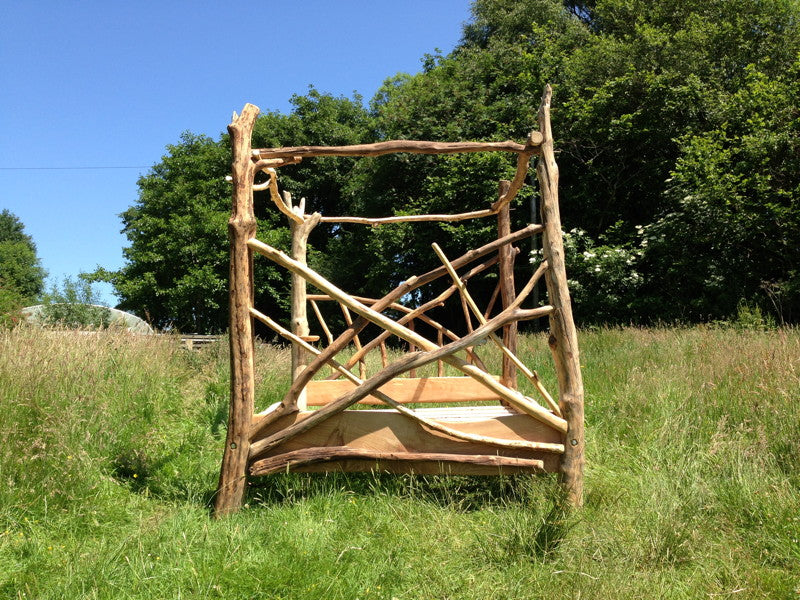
[[488, 425]]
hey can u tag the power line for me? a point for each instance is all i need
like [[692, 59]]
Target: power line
[[68, 168]]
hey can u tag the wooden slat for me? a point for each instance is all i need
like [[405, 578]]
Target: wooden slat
[[421, 390], [389, 431], [465, 414]]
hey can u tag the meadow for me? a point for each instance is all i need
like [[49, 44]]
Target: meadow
[[110, 446]]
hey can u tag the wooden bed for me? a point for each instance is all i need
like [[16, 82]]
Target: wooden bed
[[357, 420]]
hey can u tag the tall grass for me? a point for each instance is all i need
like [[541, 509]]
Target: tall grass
[[110, 446]]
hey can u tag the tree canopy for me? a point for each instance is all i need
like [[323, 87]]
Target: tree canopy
[[677, 129], [20, 269]]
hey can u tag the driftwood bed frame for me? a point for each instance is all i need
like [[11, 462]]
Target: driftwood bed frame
[[311, 428]]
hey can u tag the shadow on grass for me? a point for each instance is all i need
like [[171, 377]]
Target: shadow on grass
[[533, 532], [461, 493]]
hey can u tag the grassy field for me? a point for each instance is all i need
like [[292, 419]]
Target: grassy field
[[110, 445]]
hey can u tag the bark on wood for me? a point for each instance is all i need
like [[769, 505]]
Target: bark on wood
[[507, 291], [515, 398], [241, 227], [439, 363], [411, 347], [299, 305], [283, 462], [523, 165], [397, 405], [563, 338], [407, 362], [283, 205], [477, 214], [362, 366], [392, 146], [322, 323], [401, 290], [492, 301], [385, 354]]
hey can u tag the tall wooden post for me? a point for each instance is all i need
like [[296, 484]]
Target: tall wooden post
[[300, 233], [563, 337], [507, 291], [241, 227]]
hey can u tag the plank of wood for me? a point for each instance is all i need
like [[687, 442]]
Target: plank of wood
[[390, 431], [477, 214], [290, 460], [422, 390]]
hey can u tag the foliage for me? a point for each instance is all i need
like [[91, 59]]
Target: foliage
[[731, 224], [20, 271], [176, 270], [676, 124], [74, 304], [605, 279], [112, 445], [11, 303]]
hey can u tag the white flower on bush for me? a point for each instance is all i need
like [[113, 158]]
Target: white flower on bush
[[601, 276]]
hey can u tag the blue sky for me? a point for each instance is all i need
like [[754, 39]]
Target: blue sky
[[96, 84]]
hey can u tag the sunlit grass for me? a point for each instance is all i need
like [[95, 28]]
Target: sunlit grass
[[110, 447]]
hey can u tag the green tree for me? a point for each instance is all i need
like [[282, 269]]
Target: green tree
[[730, 232], [676, 125], [646, 94], [20, 269], [176, 269]]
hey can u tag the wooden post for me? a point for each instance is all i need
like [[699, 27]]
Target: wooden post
[[507, 292], [563, 337], [300, 232], [241, 227]]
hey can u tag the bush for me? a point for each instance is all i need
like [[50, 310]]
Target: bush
[[11, 303], [74, 305], [604, 278]]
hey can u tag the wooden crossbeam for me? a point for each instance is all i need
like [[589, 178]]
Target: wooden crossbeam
[[392, 146], [296, 458]]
